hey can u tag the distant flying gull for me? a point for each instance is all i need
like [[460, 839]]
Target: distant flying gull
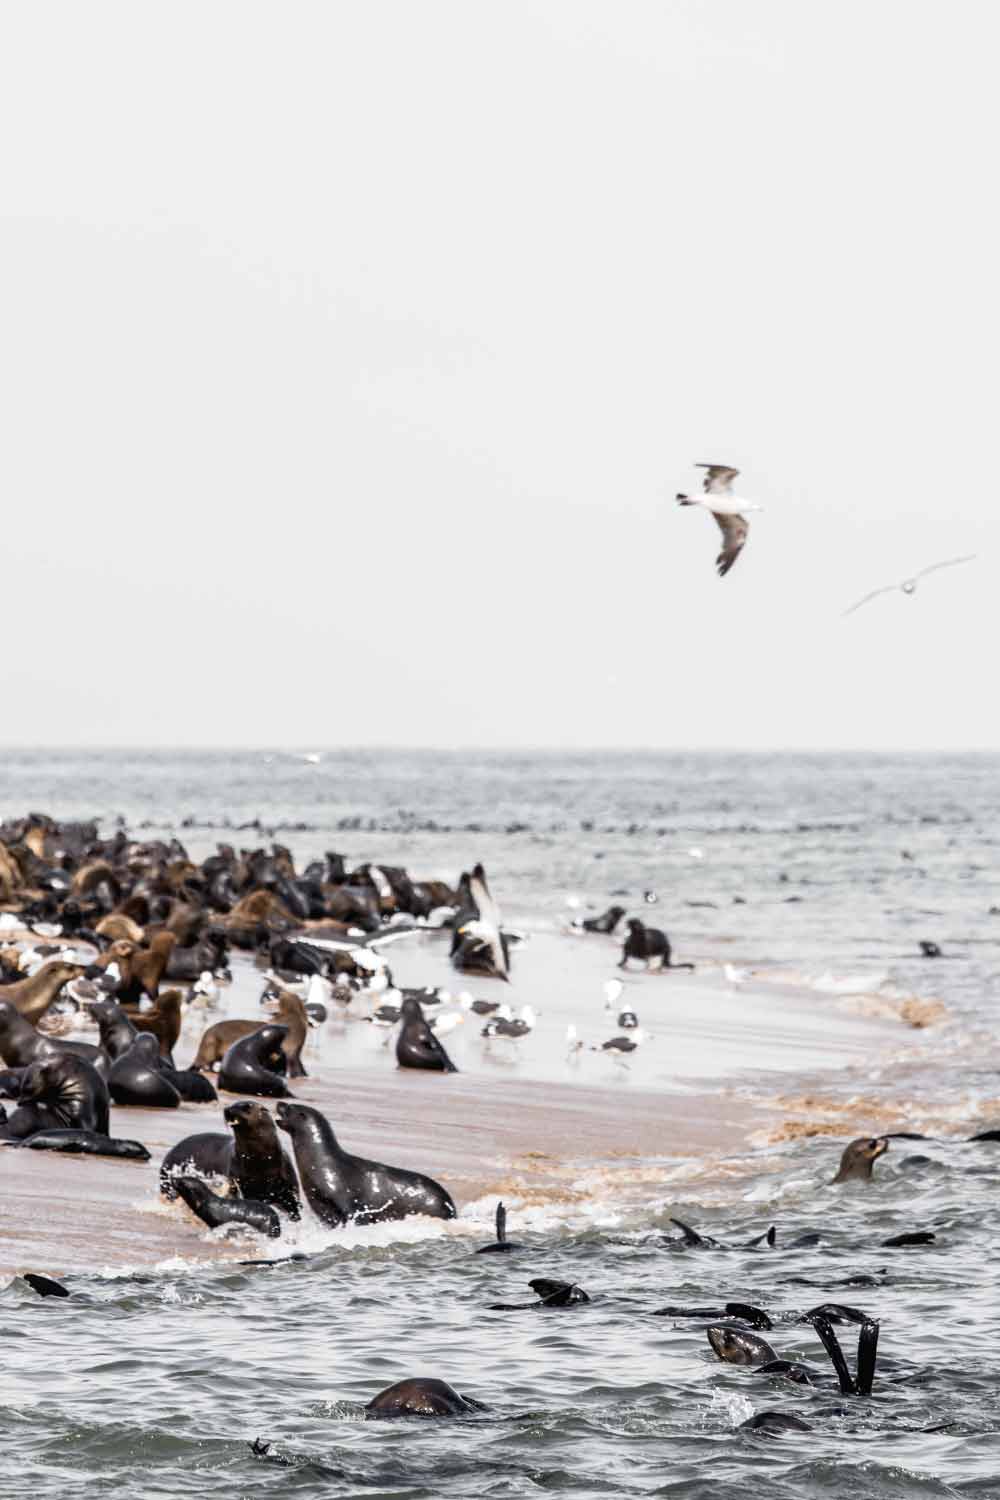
[[909, 585], [727, 509]]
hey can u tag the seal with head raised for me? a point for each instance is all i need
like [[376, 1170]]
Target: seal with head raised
[[288, 1011], [135, 1077], [340, 1187], [417, 1046], [255, 1063], [62, 1092], [21, 1044], [252, 1160], [859, 1158]]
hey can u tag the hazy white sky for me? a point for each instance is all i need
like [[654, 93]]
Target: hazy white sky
[[351, 355]]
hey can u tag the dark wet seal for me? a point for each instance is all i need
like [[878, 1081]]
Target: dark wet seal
[[417, 1046], [834, 1312], [901, 1241], [83, 1143], [607, 922], [45, 1286], [214, 1211], [859, 1157], [691, 1239], [501, 1242], [860, 1278], [754, 1317], [735, 1346], [986, 1135], [789, 1369], [861, 1383], [773, 1424], [549, 1293], [929, 949], [284, 1260], [768, 1238], [421, 1398]]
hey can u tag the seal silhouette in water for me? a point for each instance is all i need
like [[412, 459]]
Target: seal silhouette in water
[[774, 1423], [340, 1187], [254, 1065], [214, 1211], [549, 1294], [859, 1158], [417, 1046], [422, 1398], [501, 1242]]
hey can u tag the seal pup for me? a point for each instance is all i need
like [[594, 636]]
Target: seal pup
[[340, 1187], [215, 1211], [135, 1077], [649, 944], [421, 1398], [416, 1045], [606, 922], [254, 1065], [859, 1158], [501, 1242]]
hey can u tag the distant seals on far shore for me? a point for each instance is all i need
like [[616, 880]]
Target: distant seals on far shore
[[341, 1188]]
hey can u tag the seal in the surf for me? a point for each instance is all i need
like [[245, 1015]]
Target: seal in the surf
[[340, 1187], [255, 1063], [417, 1046], [859, 1157], [252, 1160], [422, 1398], [216, 1211]]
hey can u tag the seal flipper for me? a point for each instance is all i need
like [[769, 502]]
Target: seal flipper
[[769, 1238], [501, 1224], [755, 1316], [831, 1344], [45, 1286], [867, 1354], [692, 1238]]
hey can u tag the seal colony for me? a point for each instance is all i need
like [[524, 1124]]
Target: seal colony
[[130, 917]]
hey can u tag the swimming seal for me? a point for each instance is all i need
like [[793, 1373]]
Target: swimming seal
[[549, 1294], [859, 1158], [421, 1398], [62, 1092], [417, 1046], [774, 1423], [254, 1065], [340, 1187], [135, 1077], [215, 1211], [45, 1286], [733, 1344], [649, 944]]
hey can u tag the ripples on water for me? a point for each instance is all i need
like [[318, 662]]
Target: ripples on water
[[154, 1383]]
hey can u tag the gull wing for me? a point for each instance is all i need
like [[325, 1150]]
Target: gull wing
[[489, 916], [734, 534], [890, 588], [718, 479], [950, 563]]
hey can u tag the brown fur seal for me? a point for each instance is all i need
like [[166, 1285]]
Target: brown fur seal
[[33, 996], [21, 1044], [289, 1011], [146, 965], [859, 1158], [117, 927], [252, 1159], [164, 1021]]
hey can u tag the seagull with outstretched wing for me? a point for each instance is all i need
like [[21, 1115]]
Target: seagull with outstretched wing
[[727, 509], [908, 585]]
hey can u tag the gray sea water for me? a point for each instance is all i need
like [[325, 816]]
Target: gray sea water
[[154, 1383]]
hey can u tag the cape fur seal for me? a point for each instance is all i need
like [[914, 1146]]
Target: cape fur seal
[[649, 944], [340, 1187], [859, 1158], [421, 1398], [215, 1211], [416, 1045], [289, 1011], [135, 1077], [252, 1160], [33, 996], [62, 1092], [255, 1063]]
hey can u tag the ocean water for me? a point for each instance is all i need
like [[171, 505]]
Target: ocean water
[[823, 872]]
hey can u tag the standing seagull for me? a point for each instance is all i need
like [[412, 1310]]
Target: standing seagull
[[909, 585], [727, 509]]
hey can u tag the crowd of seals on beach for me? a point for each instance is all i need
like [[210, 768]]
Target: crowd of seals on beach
[[133, 916]]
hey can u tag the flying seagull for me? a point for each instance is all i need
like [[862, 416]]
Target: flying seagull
[[909, 585], [727, 509]]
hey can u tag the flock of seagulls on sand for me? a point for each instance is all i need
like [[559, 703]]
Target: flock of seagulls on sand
[[730, 513]]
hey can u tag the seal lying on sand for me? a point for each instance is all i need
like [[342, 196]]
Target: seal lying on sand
[[252, 1159], [421, 1398], [340, 1187], [213, 1210], [254, 1065], [649, 944], [859, 1158], [118, 1035]]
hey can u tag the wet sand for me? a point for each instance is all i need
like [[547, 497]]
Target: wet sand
[[519, 1120]]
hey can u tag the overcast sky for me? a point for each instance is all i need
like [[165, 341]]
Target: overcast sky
[[351, 355]]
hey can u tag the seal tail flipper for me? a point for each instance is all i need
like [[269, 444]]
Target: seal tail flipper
[[867, 1353], [831, 1344], [691, 1236], [501, 1224]]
